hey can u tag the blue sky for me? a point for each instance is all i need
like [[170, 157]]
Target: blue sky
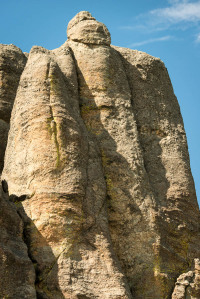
[[169, 29]]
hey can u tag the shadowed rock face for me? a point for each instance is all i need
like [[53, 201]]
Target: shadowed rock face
[[98, 168], [16, 269], [12, 63]]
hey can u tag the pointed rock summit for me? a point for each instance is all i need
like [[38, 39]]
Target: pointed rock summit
[[96, 179], [85, 29]]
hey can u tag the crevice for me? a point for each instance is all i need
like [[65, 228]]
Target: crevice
[[4, 186], [187, 292], [51, 123], [26, 241], [82, 297], [93, 107], [88, 145], [49, 269], [19, 210], [52, 126], [16, 199]]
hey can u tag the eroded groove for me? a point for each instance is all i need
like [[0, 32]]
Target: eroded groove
[[52, 125]]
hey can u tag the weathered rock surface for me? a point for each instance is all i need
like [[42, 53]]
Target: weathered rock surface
[[107, 111], [12, 62], [16, 269], [59, 165], [163, 141], [188, 284], [85, 29], [98, 166]]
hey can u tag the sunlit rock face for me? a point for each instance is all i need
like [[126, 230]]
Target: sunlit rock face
[[97, 170]]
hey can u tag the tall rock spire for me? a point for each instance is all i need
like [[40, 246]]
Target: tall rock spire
[[98, 167]]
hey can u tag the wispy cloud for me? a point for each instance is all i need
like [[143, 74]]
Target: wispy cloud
[[177, 15], [151, 40], [198, 38], [181, 11]]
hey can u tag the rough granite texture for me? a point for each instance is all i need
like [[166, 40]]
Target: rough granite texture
[[188, 284], [16, 269], [98, 174], [12, 62]]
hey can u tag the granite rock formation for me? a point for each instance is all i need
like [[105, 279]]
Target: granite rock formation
[[16, 269], [12, 62], [101, 197]]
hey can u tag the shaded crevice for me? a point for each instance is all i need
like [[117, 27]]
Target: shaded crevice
[[16, 199], [49, 269], [4, 186], [41, 275], [51, 123], [92, 135], [18, 206], [54, 131], [86, 228], [77, 76], [139, 129]]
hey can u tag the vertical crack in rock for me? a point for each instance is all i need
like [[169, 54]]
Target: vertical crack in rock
[[53, 130], [18, 202], [107, 113], [52, 125], [95, 63], [102, 209]]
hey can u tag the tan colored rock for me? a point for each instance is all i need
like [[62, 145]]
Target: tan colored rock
[[107, 111], [166, 159], [195, 286], [188, 284], [53, 162], [97, 163], [85, 29], [12, 62], [16, 269]]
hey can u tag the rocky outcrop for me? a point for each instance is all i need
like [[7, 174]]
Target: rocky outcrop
[[16, 269], [188, 284], [165, 153], [85, 29], [98, 168], [12, 62], [59, 165]]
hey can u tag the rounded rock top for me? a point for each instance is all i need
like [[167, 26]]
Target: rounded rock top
[[86, 29]]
